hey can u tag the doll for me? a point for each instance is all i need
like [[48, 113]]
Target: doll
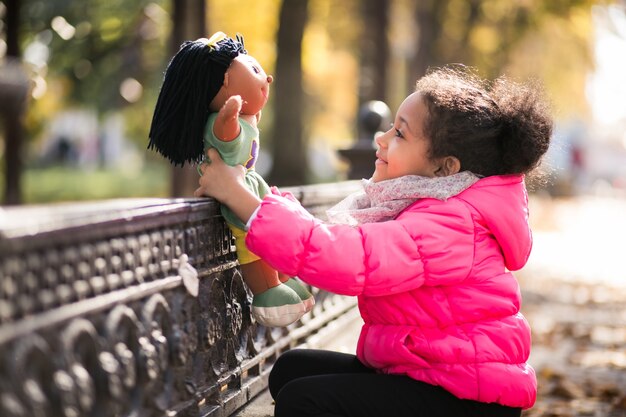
[[212, 96]]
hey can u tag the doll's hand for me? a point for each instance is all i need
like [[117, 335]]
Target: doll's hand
[[232, 107], [226, 126], [227, 184]]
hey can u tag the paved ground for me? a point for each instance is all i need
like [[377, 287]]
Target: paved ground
[[574, 289]]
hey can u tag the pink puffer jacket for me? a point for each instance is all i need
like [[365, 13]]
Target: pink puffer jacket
[[433, 285]]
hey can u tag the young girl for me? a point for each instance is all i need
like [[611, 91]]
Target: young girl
[[443, 334]]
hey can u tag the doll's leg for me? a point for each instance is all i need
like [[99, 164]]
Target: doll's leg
[[307, 298], [274, 304], [259, 276]]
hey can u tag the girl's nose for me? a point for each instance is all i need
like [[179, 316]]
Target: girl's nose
[[380, 139], [270, 79]]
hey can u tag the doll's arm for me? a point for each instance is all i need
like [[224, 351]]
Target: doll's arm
[[226, 126]]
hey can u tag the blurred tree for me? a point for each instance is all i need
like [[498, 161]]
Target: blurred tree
[[12, 109], [189, 18], [88, 54], [504, 37], [428, 15], [90, 48], [91, 57], [374, 51], [557, 48], [331, 71], [290, 165]]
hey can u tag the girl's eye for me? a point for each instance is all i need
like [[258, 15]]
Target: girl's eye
[[398, 133], [256, 69]]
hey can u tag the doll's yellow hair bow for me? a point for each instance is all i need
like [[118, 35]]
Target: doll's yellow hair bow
[[213, 40]]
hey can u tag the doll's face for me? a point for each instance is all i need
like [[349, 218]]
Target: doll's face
[[245, 77]]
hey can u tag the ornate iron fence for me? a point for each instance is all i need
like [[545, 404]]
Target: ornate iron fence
[[95, 319]]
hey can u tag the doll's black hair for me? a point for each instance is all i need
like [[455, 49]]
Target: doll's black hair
[[192, 79]]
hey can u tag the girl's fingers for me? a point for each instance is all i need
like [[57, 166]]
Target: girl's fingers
[[198, 192], [201, 167], [213, 155]]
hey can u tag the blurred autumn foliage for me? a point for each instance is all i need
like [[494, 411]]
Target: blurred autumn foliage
[[107, 57]]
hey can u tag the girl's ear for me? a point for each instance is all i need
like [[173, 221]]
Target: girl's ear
[[448, 165]]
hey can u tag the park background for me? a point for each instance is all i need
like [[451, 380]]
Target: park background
[[79, 80]]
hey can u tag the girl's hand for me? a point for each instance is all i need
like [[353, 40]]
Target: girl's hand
[[218, 179], [227, 184]]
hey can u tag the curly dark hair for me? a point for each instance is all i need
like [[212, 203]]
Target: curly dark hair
[[493, 128]]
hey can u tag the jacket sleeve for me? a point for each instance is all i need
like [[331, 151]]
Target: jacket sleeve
[[371, 259]]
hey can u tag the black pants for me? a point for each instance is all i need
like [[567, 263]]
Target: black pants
[[321, 383]]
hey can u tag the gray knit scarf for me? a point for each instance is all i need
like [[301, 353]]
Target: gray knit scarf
[[384, 200]]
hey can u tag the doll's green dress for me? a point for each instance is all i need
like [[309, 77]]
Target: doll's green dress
[[243, 150], [268, 307]]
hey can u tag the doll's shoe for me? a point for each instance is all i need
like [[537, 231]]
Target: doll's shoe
[[305, 296], [277, 307]]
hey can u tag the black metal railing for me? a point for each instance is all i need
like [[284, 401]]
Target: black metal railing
[[95, 319]]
